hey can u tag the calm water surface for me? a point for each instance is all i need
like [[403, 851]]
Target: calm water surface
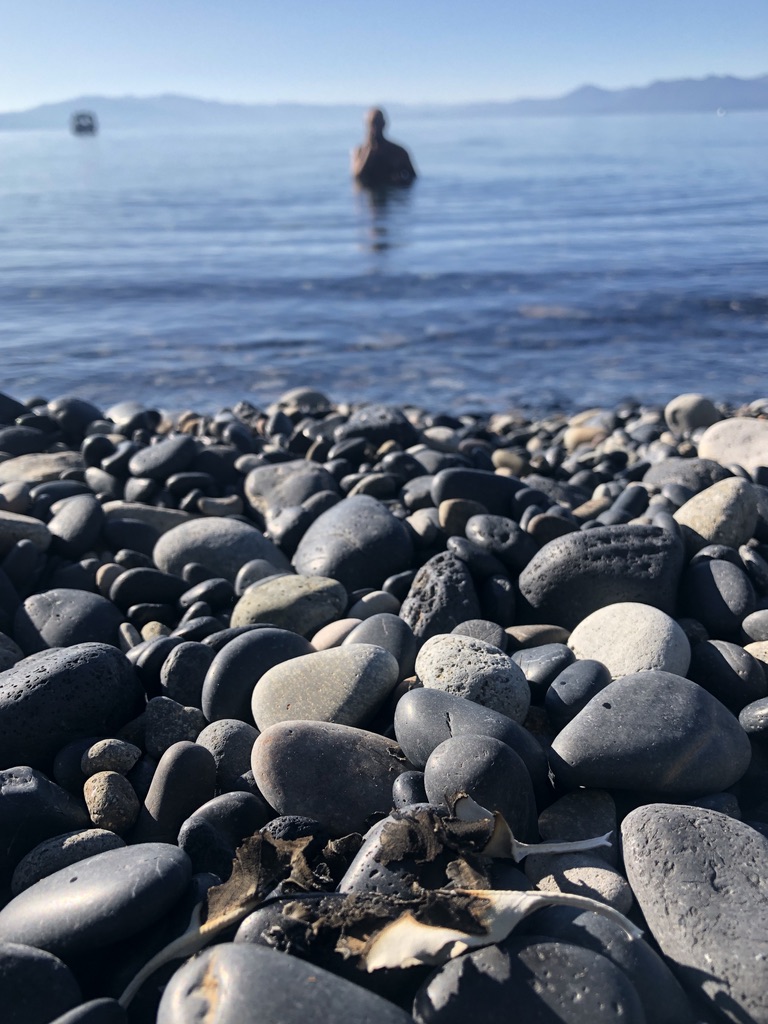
[[535, 262]]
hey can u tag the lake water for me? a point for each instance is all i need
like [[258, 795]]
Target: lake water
[[535, 263]]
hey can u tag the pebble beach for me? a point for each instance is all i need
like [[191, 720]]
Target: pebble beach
[[374, 713]]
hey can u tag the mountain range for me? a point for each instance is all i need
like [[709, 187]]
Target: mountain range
[[721, 93]]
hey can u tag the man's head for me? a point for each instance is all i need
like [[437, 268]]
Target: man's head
[[375, 120]]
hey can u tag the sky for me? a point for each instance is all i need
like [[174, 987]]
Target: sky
[[363, 52]]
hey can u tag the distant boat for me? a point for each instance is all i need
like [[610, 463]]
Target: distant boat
[[83, 122]]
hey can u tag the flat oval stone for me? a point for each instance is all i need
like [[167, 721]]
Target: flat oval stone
[[629, 637], [543, 980], [694, 474], [390, 632], [492, 490], [740, 440], [39, 467], [488, 771], [242, 983], [346, 685], [652, 731], [35, 986], [76, 526], [425, 718], [158, 461], [470, 668], [63, 617], [285, 484], [336, 774], [357, 542], [52, 698], [441, 596], [98, 901], [302, 604], [701, 880], [61, 851], [221, 544], [725, 513], [239, 665], [576, 574], [135, 586]]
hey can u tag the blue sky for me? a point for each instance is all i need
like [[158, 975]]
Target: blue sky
[[359, 51]]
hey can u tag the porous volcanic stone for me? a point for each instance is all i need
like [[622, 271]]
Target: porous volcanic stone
[[441, 596], [701, 879], [574, 575]]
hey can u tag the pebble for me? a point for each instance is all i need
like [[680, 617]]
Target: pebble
[[345, 685], [352, 772], [61, 851], [511, 533], [53, 697], [357, 542], [701, 880], [35, 986], [471, 668], [109, 897], [303, 604], [652, 730], [111, 801], [577, 574], [628, 637], [243, 983]]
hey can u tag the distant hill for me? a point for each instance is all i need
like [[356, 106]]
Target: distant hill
[[687, 95]]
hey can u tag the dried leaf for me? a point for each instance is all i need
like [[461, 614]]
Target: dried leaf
[[409, 940]]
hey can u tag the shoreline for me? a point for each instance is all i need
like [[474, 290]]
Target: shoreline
[[299, 637]]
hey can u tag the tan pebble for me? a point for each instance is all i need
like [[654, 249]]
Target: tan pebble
[[153, 629], [111, 801], [106, 575], [333, 634], [508, 458], [454, 513], [523, 637], [373, 604], [128, 636], [109, 755], [14, 497]]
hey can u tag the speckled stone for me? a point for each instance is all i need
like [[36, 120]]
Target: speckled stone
[[725, 513], [248, 984], [629, 637], [544, 980], [573, 576], [584, 874], [221, 544], [346, 685], [108, 897], [53, 697], [109, 755], [302, 604], [62, 617], [60, 852], [473, 669], [701, 880], [352, 772], [166, 723], [111, 801], [652, 731]]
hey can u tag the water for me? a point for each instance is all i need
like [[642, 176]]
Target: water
[[535, 263]]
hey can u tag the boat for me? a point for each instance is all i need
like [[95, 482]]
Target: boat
[[83, 122]]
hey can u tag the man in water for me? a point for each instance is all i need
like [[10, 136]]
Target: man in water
[[379, 162]]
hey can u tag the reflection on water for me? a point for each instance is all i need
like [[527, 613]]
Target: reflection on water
[[385, 209]]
